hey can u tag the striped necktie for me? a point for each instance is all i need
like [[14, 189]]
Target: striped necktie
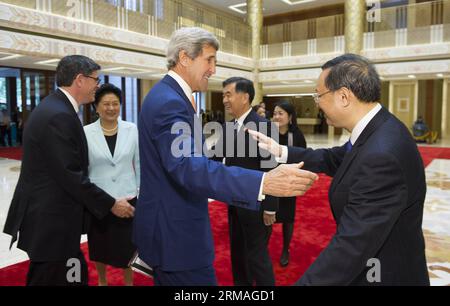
[[194, 105]]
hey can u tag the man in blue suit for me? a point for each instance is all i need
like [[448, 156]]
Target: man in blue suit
[[171, 227], [378, 187]]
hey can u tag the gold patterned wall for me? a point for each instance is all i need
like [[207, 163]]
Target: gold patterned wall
[[420, 23], [155, 18], [24, 3], [329, 26], [446, 108]]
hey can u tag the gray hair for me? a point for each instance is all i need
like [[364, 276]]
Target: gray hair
[[191, 40], [356, 73]]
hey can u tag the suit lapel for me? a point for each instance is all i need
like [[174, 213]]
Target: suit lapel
[[373, 125], [172, 83], [348, 158], [122, 137], [100, 141], [67, 103]]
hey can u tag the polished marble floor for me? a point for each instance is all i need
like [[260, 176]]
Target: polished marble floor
[[436, 224], [436, 221]]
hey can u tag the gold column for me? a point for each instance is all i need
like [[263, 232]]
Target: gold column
[[255, 21], [355, 16], [355, 12], [445, 130]]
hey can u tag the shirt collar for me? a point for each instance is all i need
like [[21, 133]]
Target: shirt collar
[[184, 86], [71, 99], [361, 125], [240, 120]]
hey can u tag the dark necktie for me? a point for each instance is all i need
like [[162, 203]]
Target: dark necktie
[[348, 146]]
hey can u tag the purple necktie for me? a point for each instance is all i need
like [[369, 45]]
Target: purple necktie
[[348, 146]]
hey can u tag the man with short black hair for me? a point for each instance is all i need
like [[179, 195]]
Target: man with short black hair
[[249, 230], [54, 199]]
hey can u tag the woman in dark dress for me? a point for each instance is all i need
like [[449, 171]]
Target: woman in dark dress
[[114, 167], [285, 117]]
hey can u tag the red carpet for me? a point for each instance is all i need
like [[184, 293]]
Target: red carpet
[[11, 153], [314, 228]]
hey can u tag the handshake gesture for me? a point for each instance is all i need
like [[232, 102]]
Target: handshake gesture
[[286, 180]]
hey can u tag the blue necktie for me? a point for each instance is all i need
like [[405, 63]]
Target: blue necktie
[[348, 146]]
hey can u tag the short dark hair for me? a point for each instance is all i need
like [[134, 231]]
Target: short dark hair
[[107, 89], [357, 74], [242, 85], [72, 65]]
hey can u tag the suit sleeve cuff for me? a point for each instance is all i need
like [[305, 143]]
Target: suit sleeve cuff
[[261, 197], [284, 155]]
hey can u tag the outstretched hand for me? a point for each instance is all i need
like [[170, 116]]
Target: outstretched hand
[[288, 180], [266, 143]]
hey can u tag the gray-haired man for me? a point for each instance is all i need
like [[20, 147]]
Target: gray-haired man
[[171, 228]]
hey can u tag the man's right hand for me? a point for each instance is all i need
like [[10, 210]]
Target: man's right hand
[[123, 209], [266, 143], [288, 180]]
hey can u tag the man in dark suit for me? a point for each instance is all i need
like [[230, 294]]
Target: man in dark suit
[[249, 230], [54, 199], [378, 187], [171, 227]]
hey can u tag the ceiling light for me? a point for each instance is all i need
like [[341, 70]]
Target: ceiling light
[[10, 57], [296, 2], [411, 76], [440, 75], [127, 70], [50, 62]]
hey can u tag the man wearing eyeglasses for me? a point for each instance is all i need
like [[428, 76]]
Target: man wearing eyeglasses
[[54, 199], [378, 187]]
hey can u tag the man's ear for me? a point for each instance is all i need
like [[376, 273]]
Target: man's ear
[[77, 81], [184, 58], [248, 98], [344, 95]]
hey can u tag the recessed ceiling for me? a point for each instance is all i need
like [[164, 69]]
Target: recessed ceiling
[[270, 7], [34, 62]]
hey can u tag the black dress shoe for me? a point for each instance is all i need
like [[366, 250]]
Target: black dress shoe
[[284, 259]]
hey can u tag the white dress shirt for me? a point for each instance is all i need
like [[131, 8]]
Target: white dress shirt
[[356, 132], [240, 120], [184, 86], [71, 99], [188, 92], [361, 125]]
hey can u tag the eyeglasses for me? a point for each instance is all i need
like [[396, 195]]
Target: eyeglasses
[[97, 79], [317, 97]]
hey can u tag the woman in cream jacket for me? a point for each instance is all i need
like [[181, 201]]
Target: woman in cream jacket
[[114, 167]]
